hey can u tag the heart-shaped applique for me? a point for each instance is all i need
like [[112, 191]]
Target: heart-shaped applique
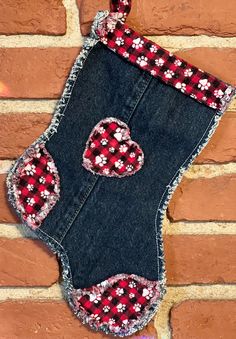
[[111, 152]]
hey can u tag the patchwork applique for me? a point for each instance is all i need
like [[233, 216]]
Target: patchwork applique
[[110, 150], [117, 303], [160, 63], [36, 186]]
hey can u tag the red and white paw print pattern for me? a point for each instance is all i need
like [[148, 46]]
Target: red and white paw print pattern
[[117, 303], [110, 150], [36, 186], [160, 63]]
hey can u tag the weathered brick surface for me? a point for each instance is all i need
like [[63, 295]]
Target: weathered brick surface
[[32, 17], [204, 199], [35, 319], [19, 130], [206, 319], [38, 72], [26, 262], [222, 146], [6, 212], [175, 17], [200, 259]]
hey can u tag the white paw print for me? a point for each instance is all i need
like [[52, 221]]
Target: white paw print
[[132, 155], [181, 86], [95, 298], [106, 309], [50, 167], [119, 291], [104, 142], [112, 149], [101, 130], [123, 148], [119, 41], [44, 194], [127, 31], [178, 62], [132, 284], [153, 72], [193, 96], [119, 163], [95, 316], [121, 308], [92, 145], [30, 169], [188, 72], [106, 171], [126, 55], [204, 84], [213, 105], [129, 168], [30, 201], [137, 307], [218, 93], [153, 49], [147, 293], [104, 40], [30, 187], [42, 180], [131, 295], [159, 62], [111, 321], [169, 74], [101, 160], [137, 43], [142, 61]]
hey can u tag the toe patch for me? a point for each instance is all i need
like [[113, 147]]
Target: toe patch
[[118, 304]]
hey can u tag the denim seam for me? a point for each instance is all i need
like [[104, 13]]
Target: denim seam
[[77, 211], [97, 177]]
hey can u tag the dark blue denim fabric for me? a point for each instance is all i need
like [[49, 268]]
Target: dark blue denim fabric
[[112, 225]]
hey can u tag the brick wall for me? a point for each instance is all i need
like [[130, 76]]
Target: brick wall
[[38, 43]]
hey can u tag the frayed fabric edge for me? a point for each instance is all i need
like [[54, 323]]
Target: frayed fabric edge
[[171, 187], [53, 245], [61, 106]]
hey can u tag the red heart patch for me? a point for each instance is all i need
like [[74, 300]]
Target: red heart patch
[[111, 152]]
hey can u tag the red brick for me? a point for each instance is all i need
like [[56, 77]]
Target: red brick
[[26, 262], [218, 61], [200, 259], [35, 319], [19, 130], [204, 319], [34, 17], [204, 199], [222, 146], [6, 212], [175, 17], [38, 72]]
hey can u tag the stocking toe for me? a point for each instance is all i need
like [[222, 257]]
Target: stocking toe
[[120, 305]]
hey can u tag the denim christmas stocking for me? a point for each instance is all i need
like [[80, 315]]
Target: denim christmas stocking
[[95, 185]]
